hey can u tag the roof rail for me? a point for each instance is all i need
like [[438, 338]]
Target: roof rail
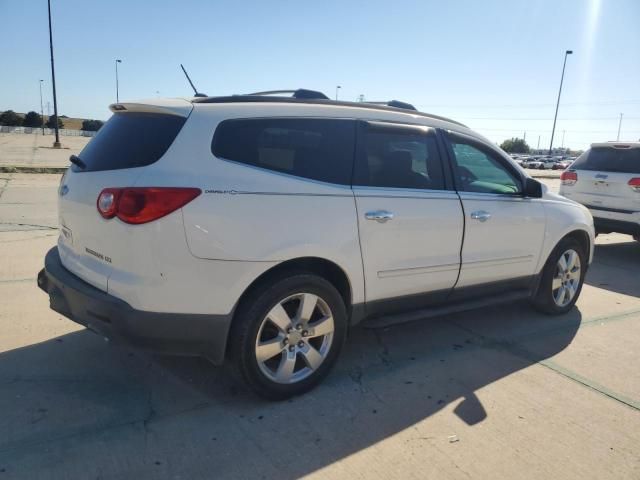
[[265, 97], [298, 93], [395, 104]]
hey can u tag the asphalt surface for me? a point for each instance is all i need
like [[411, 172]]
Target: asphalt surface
[[496, 393]]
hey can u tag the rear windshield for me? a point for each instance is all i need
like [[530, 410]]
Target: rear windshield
[[609, 160], [130, 140]]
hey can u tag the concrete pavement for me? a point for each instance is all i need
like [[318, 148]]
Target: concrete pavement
[[501, 392], [29, 152]]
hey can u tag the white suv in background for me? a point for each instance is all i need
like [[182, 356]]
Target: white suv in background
[[606, 179], [261, 228]]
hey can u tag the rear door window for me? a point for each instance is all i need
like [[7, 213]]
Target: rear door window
[[318, 149], [130, 140], [608, 159]]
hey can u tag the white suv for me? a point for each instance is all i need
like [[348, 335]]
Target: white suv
[[260, 229], [606, 179]]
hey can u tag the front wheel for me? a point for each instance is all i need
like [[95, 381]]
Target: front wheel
[[562, 278], [288, 335]]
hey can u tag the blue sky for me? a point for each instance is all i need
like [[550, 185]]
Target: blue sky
[[494, 65]]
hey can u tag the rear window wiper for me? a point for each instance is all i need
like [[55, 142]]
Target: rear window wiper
[[76, 160]]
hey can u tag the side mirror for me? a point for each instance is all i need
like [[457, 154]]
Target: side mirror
[[532, 188], [470, 410]]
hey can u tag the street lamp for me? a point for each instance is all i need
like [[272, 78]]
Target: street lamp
[[56, 144], [41, 108], [338, 87], [117, 92], [568, 52]]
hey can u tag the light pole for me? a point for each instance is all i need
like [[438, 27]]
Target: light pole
[[566, 53], [41, 108], [619, 127], [56, 144], [562, 144], [338, 87], [117, 87]]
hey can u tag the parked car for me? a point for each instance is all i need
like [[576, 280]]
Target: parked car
[[260, 229], [606, 179], [547, 163], [534, 164], [561, 165]]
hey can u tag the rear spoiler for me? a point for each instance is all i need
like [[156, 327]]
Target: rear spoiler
[[169, 106]]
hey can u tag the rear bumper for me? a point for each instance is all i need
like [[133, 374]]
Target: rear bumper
[[170, 333], [608, 225]]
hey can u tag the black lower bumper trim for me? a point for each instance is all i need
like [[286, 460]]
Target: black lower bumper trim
[[170, 333], [608, 225]]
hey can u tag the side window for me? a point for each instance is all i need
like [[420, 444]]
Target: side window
[[397, 157], [479, 170], [319, 149]]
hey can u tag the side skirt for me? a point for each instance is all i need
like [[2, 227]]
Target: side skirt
[[387, 320], [392, 311]]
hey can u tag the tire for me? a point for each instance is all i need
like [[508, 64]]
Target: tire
[[258, 325], [547, 297]]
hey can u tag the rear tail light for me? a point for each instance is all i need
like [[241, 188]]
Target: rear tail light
[[634, 183], [568, 177], [138, 205]]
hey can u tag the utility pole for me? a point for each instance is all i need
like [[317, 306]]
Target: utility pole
[[619, 127], [56, 144], [41, 108], [525, 136], [538, 143], [566, 53], [562, 144]]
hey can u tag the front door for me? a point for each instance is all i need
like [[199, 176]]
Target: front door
[[504, 230]]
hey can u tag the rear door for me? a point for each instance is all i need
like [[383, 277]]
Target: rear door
[[115, 157], [604, 173], [409, 218]]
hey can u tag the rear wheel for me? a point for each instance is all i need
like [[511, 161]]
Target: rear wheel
[[562, 278], [288, 335]]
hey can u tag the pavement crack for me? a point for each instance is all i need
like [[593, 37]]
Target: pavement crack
[[4, 186], [384, 354], [17, 280], [39, 227]]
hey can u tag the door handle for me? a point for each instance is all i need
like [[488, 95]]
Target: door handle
[[379, 216], [480, 215]]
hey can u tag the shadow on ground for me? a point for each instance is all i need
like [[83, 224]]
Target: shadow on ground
[[77, 407], [615, 267]]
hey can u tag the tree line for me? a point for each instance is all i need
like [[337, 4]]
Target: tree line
[[34, 120]]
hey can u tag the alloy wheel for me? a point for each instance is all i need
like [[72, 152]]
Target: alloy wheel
[[294, 338], [567, 277]]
